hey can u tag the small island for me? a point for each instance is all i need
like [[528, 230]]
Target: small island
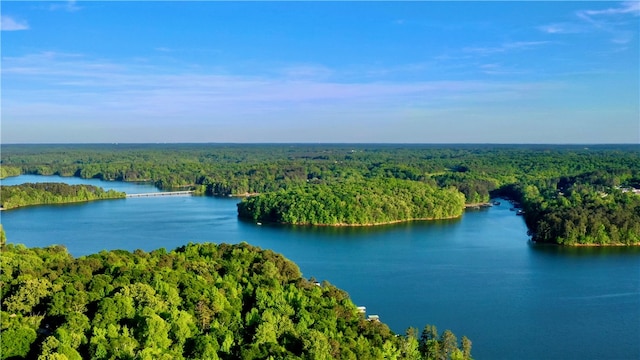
[[28, 194], [354, 203]]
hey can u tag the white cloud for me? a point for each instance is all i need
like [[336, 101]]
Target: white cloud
[[614, 21], [8, 23], [69, 6], [45, 95], [609, 20], [515, 45], [524, 44], [94, 86], [563, 28], [628, 7]]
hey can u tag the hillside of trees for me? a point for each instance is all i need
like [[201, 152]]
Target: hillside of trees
[[595, 208], [52, 193], [199, 301], [6, 171], [354, 203], [477, 171]]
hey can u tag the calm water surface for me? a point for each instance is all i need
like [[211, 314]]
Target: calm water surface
[[477, 275]]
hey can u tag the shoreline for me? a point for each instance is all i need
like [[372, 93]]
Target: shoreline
[[58, 203], [582, 245], [368, 224], [599, 245], [478, 205]]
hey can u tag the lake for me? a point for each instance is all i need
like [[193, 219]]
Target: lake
[[478, 275]]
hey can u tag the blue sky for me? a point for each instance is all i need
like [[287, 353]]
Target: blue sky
[[400, 72]]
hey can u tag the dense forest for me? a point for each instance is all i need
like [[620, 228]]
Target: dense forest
[[6, 171], [477, 171], [594, 208], [201, 301], [52, 193], [354, 203], [223, 169]]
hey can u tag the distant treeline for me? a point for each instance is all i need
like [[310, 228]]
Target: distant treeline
[[52, 193], [354, 203], [477, 171], [223, 169], [201, 301]]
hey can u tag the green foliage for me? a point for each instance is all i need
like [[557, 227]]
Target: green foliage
[[583, 210], [220, 169], [6, 171], [201, 301], [325, 174], [3, 237], [52, 193], [476, 188], [16, 340], [377, 201]]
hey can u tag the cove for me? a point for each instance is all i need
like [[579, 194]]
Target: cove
[[477, 275]]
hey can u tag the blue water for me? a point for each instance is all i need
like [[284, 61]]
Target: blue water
[[478, 275], [128, 187]]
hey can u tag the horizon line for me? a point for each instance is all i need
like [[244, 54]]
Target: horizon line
[[318, 143]]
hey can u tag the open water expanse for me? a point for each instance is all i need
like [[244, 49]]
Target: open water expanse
[[478, 275]]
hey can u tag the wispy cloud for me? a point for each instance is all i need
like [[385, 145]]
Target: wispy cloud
[[563, 28], [628, 7], [523, 45], [70, 6], [125, 90], [8, 23], [499, 69], [306, 72], [505, 47], [612, 20]]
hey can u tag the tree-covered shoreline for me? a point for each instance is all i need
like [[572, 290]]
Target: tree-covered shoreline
[[475, 170], [375, 202], [592, 209], [199, 301], [7, 171], [29, 194]]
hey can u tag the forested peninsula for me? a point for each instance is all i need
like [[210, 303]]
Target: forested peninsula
[[15, 196], [595, 208], [199, 301], [569, 194]]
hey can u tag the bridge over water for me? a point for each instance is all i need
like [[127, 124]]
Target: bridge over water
[[166, 193]]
